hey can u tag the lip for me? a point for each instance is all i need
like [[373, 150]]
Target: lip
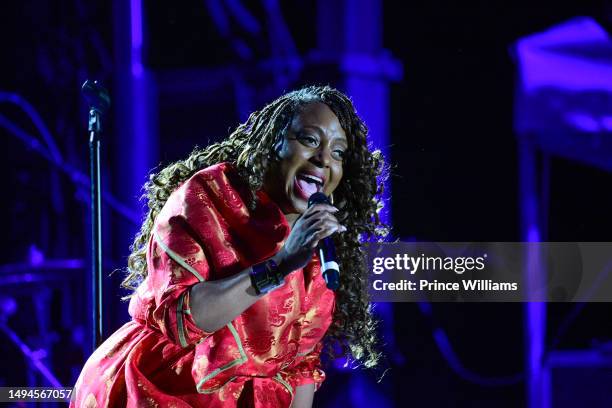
[[314, 173], [301, 193]]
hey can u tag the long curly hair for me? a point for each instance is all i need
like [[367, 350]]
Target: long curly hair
[[250, 148]]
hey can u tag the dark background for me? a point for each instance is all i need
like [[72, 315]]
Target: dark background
[[453, 152]]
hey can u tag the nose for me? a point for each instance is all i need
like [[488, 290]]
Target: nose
[[322, 156]]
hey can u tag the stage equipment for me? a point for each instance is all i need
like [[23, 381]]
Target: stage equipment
[[577, 378], [98, 100], [563, 109]]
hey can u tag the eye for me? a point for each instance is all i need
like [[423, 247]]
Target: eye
[[308, 139], [339, 154]]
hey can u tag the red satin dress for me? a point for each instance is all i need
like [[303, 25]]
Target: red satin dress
[[162, 359]]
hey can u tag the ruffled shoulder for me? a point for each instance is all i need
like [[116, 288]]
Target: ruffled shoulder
[[213, 207]]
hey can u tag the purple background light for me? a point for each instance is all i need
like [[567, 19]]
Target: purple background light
[[495, 118]]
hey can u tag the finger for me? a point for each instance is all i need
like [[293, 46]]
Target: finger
[[318, 208], [322, 234], [323, 215], [323, 223]]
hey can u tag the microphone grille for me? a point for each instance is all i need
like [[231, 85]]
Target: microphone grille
[[318, 198]]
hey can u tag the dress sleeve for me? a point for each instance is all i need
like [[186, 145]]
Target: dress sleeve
[[190, 243], [176, 263], [307, 369]]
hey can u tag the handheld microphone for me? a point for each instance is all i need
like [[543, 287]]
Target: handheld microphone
[[327, 250]]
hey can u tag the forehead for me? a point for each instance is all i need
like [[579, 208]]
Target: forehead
[[317, 114]]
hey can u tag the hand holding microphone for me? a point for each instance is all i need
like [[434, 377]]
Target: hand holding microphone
[[313, 229], [327, 250]]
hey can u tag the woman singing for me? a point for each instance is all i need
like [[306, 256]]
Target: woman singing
[[229, 307]]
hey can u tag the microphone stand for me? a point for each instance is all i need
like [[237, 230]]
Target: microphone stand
[[98, 100]]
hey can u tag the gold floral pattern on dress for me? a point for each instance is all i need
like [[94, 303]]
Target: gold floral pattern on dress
[[206, 232]]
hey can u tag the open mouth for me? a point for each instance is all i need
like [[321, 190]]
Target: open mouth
[[308, 184]]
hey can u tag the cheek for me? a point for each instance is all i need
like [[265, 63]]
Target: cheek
[[286, 171], [286, 150], [338, 174], [292, 158]]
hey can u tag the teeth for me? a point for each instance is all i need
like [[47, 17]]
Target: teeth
[[313, 178]]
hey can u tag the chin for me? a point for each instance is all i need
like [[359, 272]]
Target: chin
[[298, 206], [290, 204]]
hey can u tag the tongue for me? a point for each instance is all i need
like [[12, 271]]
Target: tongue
[[307, 187]]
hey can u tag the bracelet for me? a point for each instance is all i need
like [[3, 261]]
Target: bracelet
[[266, 276]]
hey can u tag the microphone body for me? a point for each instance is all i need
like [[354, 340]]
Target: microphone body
[[327, 250]]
